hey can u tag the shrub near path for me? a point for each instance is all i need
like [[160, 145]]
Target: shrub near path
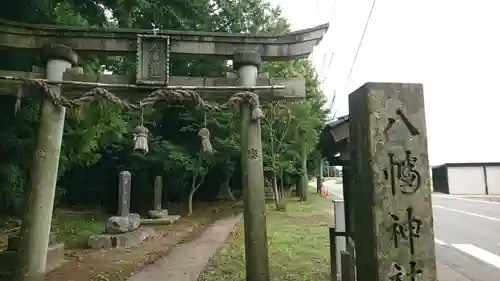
[[298, 244]]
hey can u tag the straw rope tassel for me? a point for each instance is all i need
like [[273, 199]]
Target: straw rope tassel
[[204, 134], [141, 136]]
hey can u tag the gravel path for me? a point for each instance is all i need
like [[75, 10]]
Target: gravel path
[[185, 262]]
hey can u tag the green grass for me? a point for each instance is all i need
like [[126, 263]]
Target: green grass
[[74, 228], [69, 227], [298, 245]]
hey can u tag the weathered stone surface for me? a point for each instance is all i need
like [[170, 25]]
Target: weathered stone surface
[[157, 214], [58, 51], [117, 224], [390, 171], [9, 260], [246, 58], [163, 221], [124, 189], [294, 45], [55, 257], [256, 250], [153, 57], [123, 240], [158, 192], [294, 87]]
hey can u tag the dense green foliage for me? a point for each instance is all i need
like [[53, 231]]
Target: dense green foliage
[[97, 140]]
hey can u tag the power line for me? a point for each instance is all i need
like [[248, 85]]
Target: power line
[[325, 67], [360, 43], [333, 101], [334, 6]]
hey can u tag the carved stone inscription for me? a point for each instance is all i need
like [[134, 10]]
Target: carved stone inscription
[[153, 57], [400, 273], [409, 230], [387, 129], [154, 63], [402, 174], [404, 180], [253, 154]]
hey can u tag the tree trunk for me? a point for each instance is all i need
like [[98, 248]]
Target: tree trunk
[[297, 181], [275, 183], [190, 202], [303, 179], [319, 180], [282, 189], [275, 190], [225, 192], [194, 187]]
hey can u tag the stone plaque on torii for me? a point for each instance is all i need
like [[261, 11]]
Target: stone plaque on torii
[[62, 85]]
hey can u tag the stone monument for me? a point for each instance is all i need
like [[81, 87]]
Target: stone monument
[[158, 215], [389, 167], [124, 221], [158, 212], [119, 229]]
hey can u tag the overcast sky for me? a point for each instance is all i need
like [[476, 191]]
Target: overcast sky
[[451, 46]]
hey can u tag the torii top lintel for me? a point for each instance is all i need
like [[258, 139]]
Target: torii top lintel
[[294, 45]]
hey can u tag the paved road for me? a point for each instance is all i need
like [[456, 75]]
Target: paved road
[[467, 233]]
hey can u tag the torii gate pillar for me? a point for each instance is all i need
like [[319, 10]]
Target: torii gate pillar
[[39, 199], [247, 65]]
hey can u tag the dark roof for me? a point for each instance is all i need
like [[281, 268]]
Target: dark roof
[[339, 121], [469, 164], [327, 145]]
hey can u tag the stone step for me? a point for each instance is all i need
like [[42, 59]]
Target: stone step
[[162, 221], [9, 260]]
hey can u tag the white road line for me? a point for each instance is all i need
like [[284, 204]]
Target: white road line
[[338, 195], [465, 199], [466, 213], [439, 242], [479, 253]]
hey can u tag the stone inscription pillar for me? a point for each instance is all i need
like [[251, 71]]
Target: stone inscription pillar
[[124, 190], [389, 166], [39, 199], [157, 201], [256, 253]]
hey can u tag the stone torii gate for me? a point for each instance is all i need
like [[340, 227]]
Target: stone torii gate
[[63, 86]]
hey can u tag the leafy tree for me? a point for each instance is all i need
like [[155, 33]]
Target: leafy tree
[[293, 128], [98, 137]]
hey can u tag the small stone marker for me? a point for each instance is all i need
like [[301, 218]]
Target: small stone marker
[[390, 171], [124, 189], [125, 221], [158, 212], [158, 193]]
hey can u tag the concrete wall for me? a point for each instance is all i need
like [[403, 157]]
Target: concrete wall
[[493, 180], [468, 180]]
